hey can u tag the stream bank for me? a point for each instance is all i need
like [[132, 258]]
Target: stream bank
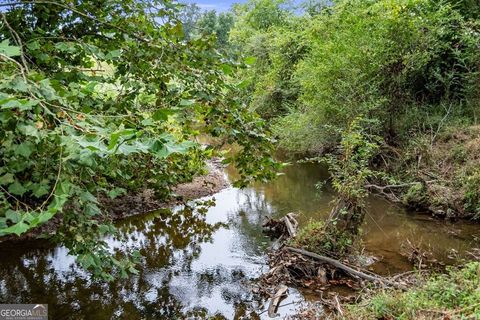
[[144, 201]]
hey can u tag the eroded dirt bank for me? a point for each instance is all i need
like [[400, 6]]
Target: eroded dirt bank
[[145, 201]]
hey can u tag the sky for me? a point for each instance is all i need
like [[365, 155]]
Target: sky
[[218, 5]]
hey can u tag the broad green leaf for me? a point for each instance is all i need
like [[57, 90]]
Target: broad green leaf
[[250, 60], [162, 114], [88, 197], [91, 209], [13, 216], [244, 84], [24, 149], [169, 148], [6, 115], [17, 188], [68, 47], [90, 87], [11, 103], [8, 50], [113, 54], [7, 178], [227, 69], [18, 84], [21, 104], [86, 260], [47, 90], [40, 189], [93, 144], [29, 130], [33, 45], [115, 137], [17, 228]]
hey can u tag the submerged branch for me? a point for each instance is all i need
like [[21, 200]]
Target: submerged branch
[[345, 268]]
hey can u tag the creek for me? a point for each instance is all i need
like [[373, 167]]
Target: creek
[[199, 264]]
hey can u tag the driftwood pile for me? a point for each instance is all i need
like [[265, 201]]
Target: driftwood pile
[[300, 268], [285, 227]]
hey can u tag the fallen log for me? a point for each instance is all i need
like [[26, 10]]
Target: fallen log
[[292, 218], [273, 306], [290, 228], [345, 268]]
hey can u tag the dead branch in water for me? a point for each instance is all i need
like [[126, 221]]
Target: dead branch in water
[[285, 227], [290, 228], [345, 268], [273, 306], [386, 191]]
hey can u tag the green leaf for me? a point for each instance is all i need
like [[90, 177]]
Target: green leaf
[[88, 197], [20, 104], [250, 60], [47, 90], [17, 188], [187, 102], [24, 149], [33, 45], [93, 144], [13, 216], [7, 178], [244, 84], [91, 209], [8, 50], [17, 229], [68, 47], [40, 189], [5, 116], [115, 192], [114, 54], [18, 84], [29, 130], [227, 69], [86, 260], [162, 114], [90, 87], [114, 137], [163, 150]]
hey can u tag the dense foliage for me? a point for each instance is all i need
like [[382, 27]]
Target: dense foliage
[[408, 66], [198, 23], [101, 98]]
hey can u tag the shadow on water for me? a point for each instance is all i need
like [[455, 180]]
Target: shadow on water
[[199, 264]]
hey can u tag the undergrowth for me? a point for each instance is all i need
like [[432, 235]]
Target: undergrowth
[[454, 295]]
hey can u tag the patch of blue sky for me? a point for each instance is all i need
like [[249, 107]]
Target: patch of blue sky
[[207, 5]]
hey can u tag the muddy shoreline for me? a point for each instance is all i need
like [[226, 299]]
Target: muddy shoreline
[[143, 202]]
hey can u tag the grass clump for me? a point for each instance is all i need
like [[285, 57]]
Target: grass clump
[[314, 237], [454, 295]]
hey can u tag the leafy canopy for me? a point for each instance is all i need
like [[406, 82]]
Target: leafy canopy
[[100, 98]]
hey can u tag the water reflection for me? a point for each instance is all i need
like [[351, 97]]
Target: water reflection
[[33, 274], [197, 265]]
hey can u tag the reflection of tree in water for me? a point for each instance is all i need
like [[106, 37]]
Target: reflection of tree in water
[[164, 238]]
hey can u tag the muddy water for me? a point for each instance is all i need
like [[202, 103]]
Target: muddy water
[[197, 264]]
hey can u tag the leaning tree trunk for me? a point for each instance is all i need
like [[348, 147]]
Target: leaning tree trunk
[[346, 217]]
